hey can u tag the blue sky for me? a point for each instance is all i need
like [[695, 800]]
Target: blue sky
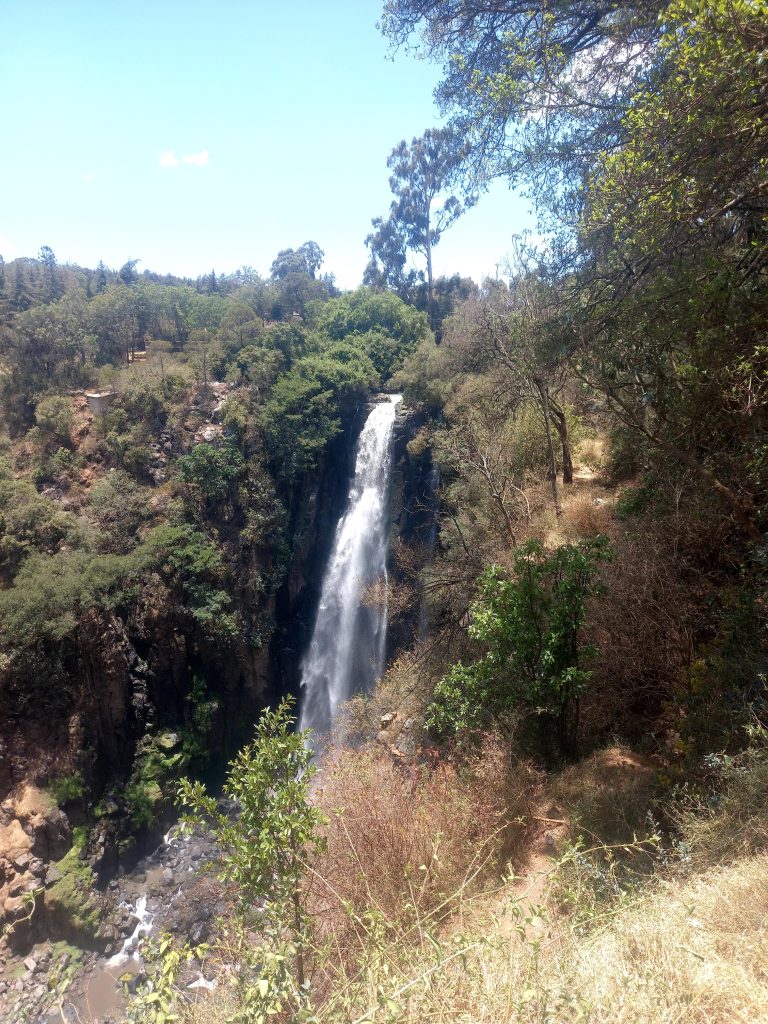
[[209, 135]]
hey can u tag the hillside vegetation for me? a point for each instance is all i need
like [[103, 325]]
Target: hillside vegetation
[[162, 443]]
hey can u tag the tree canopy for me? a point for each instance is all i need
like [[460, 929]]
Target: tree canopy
[[422, 173]]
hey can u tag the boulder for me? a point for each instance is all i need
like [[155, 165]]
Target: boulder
[[409, 739], [168, 740], [22, 861]]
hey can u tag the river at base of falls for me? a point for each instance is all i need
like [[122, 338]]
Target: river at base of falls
[[347, 649], [171, 890]]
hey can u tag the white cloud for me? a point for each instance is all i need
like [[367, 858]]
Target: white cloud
[[89, 176], [198, 159], [169, 159]]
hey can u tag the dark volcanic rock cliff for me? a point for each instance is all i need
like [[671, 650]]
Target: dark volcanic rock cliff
[[146, 697]]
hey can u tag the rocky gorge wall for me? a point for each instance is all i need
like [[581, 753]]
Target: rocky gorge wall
[[86, 789]]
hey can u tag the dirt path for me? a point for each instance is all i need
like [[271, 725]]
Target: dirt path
[[587, 503]]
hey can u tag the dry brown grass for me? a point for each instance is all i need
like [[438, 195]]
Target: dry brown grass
[[607, 795], [732, 820], [676, 949], [645, 630], [686, 953], [587, 513], [592, 452], [691, 953], [401, 838]]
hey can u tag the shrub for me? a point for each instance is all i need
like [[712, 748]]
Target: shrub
[[58, 466], [159, 759], [263, 853], [627, 453], [54, 417], [51, 593], [119, 506], [729, 817], [633, 501], [304, 412], [130, 451], [211, 468], [143, 800], [199, 712], [402, 839], [145, 400], [67, 788], [530, 625], [32, 523], [193, 564]]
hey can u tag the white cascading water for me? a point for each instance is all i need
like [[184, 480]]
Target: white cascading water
[[347, 650], [144, 920]]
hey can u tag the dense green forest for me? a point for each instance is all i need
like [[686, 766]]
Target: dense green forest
[[576, 696]]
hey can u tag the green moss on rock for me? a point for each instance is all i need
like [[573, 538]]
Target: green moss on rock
[[70, 902]]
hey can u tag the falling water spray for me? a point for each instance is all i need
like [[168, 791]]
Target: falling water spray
[[347, 650]]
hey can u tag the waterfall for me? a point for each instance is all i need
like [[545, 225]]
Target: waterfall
[[346, 653]]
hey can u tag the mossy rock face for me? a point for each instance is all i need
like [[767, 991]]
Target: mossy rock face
[[73, 909], [168, 740], [66, 961], [154, 794], [160, 760]]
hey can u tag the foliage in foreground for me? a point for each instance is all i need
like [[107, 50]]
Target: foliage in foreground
[[672, 947], [263, 854], [383, 851]]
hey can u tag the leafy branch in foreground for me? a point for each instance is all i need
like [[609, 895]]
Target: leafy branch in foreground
[[264, 849]]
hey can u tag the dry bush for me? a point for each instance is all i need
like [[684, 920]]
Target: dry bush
[[607, 795], [404, 582], [692, 953], [586, 515], [732, 820], [673, 950], [591, 452], [644, 628], [543, 518], [403, 837], [403, 692]]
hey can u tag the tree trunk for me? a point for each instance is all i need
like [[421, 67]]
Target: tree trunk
[[544, 395], [430, 294], [561, 425], [568, 727], [300, 973]]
